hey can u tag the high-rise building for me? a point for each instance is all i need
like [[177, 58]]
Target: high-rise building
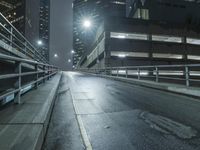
[[14, 11], [44, 24], [95, 10], [174, 11], [31, 18]]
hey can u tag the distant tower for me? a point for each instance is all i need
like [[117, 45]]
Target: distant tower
[[31, 18]]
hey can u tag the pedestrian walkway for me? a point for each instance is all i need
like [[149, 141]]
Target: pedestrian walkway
[[23, 127]]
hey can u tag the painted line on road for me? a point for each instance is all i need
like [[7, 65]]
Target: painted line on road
[[83, 131]]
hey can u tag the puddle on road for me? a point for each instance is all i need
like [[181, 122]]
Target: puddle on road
[[168, 126]]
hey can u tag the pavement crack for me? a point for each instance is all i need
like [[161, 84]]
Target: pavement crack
[[168, 126]]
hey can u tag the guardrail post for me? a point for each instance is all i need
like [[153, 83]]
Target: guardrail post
[[18, 70], [36, 78], [138, 73], [11, 36], [25, 49], [187, 76], [44, 73], [95, 70], [117, 72], [157, 75], [126, 73], [48, 72]]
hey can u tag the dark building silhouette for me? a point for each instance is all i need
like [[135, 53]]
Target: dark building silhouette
[[176, 11]]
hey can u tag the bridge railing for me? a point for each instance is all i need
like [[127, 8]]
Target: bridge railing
[[188, 75], [37, 73], [13, 39]]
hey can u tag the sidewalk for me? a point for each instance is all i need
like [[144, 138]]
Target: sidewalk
[[23, 127]]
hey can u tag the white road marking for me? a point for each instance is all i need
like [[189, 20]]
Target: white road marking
[[83, 131]]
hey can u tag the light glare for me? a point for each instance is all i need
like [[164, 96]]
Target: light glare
[[39, 42], [122, 55], [72, 51], [87, 23], [55, 55]]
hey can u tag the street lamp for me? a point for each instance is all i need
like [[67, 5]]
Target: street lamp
[[87, 23], [39, 42], [55, 55], [72, 51], [69, 60]]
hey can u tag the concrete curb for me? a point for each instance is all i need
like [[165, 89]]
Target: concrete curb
[[52, 97]]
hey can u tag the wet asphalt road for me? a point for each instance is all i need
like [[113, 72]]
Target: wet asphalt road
[[121, 116]]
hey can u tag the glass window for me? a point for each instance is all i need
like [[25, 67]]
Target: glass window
[[193, 57], [129, 54], [135, 36], [165, 38], [170, 56], [193, 41]]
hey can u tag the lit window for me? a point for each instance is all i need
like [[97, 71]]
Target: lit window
[[135, 36], [169, 56], [129, 54], [193, 41], [193, 57], [118, 2], [165, 38], [141, 14]]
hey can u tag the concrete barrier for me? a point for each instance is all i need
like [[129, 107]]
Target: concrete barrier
[[23, 127], [175, 88]]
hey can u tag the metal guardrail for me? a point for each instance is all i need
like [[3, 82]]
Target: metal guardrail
[[40, 72], [14, 39], [188, 74]]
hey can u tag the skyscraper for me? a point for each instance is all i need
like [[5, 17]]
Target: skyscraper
[[174, 11], [31, 18], [14, 11], [44, 24]]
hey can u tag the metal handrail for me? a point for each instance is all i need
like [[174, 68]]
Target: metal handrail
[[187, 72], [14, 34], [40, 72]]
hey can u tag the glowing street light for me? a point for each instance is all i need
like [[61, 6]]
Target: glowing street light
[[55, 55], [39, 42], [87, 23], [69, 60], [72, 51]]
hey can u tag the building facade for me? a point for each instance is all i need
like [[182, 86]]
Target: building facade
[[95, 10], [31, 18], [14, 11], [134, 42], [174, 11]]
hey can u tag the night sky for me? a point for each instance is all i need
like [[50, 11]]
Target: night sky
[[61, 33]]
